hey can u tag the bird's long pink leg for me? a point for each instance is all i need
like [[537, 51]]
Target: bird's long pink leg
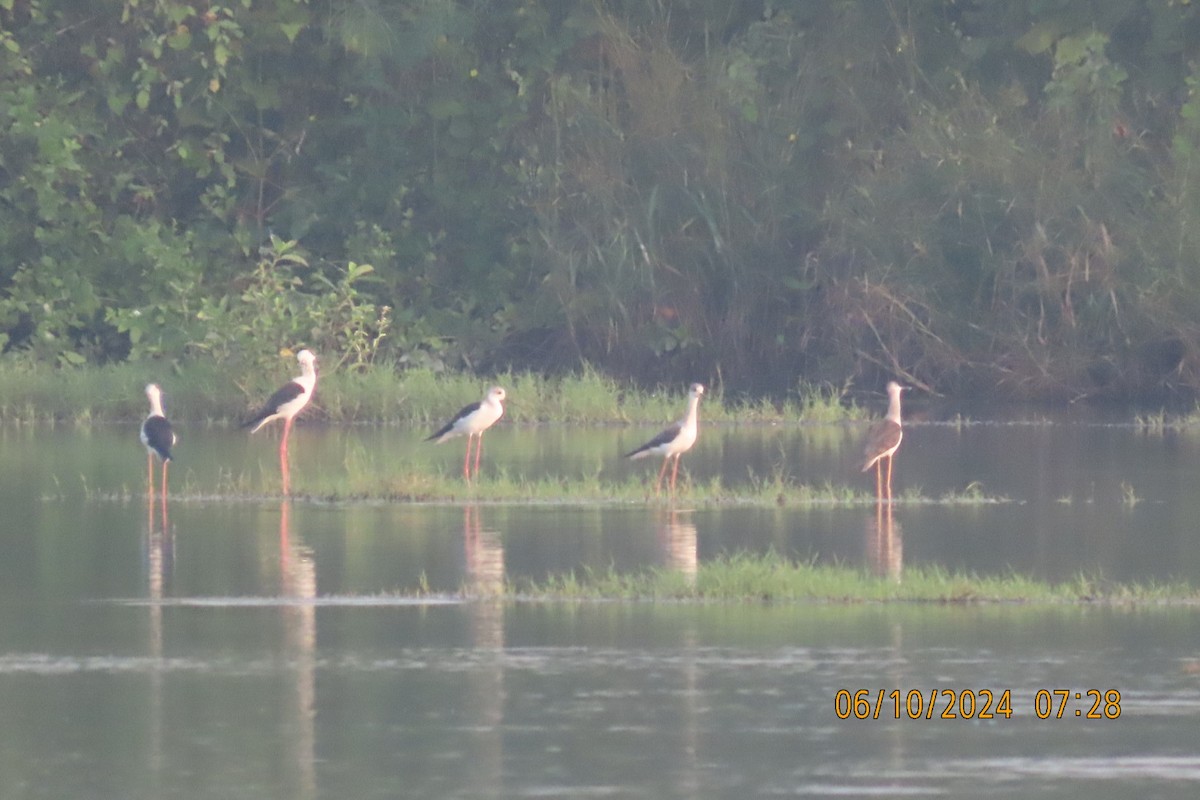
[[889, 479], [675, 472], [661, 472], [878, 480], [478, 452], [164, 496], [149, 474], [467, 458], [284, 468], [283, 443]]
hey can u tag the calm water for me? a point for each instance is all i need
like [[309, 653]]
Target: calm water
[[267, 650]]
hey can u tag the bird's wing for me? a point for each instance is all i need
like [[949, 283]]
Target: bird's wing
[[667, 435], [158, 434], [884, 436], [284, 394], [465, 412]]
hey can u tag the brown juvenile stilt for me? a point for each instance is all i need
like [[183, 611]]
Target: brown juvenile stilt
[[882, 440]]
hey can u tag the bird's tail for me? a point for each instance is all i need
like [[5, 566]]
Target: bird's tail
[[442, 434], [255, 422]]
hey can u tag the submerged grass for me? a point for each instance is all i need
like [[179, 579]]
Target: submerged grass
[[769, 577], [203, 391]]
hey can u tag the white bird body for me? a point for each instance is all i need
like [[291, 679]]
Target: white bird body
[[291, 398], [676, 440], [471, 421]]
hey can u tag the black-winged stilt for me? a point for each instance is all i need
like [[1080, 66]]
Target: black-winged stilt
[[882, 440], [473, 420], [288, 401], [674, 441], [157, 436]]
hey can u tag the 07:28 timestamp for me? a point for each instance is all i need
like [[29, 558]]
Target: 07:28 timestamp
[[973, 704]]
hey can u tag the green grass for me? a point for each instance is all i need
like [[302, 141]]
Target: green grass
[[358, 481], [113, 393], [202, 391], [1160, 421], [771, 578]]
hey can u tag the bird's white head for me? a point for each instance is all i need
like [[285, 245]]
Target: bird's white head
[[895, 388], [306, 358], [496, 394], [696, 390]]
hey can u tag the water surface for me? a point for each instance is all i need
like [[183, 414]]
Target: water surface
[[259, 648]]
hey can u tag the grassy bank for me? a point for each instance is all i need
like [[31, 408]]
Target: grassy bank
[[204, 392], [772, 578]]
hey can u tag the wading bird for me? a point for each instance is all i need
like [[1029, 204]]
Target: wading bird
[[288, 401], [473, 420], [674, 441], [157, 436], [882, 440]]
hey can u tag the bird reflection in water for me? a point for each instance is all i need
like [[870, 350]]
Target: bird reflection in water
[[159, 545], [298, 592], [158, 555], [483, 551], [677, 538], [884, 545], [884, 548], [158, 558]]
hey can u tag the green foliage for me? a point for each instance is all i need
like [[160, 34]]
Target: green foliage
[[972, 195], [284, 303], [377, 393]]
